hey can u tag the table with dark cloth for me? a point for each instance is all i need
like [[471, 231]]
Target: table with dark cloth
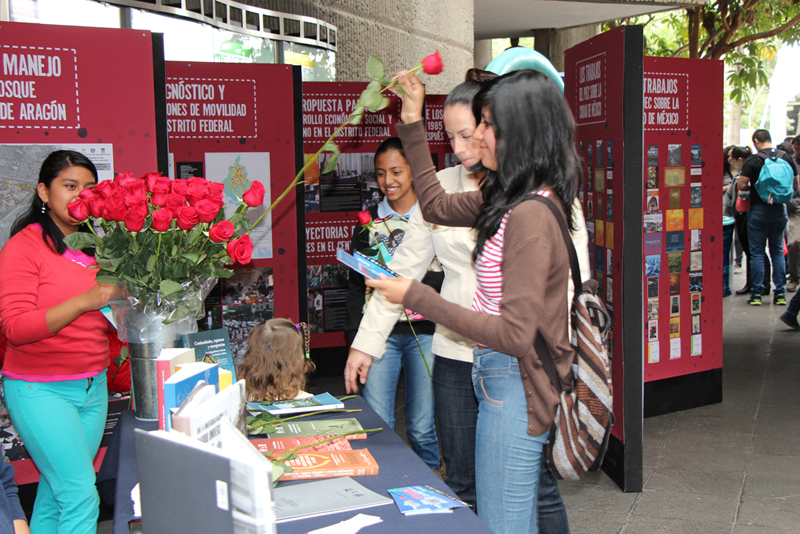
[[398, 464]]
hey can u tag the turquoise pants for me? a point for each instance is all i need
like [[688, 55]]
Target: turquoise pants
[[61, 424]]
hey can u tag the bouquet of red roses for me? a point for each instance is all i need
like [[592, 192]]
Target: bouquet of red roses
[[162, 238]]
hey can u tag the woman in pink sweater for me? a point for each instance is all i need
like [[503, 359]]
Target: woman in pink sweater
[[57, 354]]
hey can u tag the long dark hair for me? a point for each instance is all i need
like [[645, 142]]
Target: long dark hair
[[726, 166], [535, 136], [54, 164]]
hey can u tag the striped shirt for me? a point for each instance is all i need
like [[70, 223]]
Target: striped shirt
[[489, 271]]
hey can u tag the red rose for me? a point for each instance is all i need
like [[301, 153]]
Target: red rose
[[221, 232], [104, 188], [159, 199], [216, 186], [134, 199], [123, 178], [216, 198], [86, 194], [240, 250], [187, 217], [134, 220], [78, 210], [364, 218], [96, 205], [181, 187], [150, 180], [115, 209], [432, 64], [174, 202], [161, 220], [198, 190], [254, 197], [206, 211]]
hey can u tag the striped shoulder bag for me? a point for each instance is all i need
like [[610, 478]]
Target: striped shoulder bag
[[579, 436]]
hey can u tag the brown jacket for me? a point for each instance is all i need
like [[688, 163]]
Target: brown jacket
[[535, 264]]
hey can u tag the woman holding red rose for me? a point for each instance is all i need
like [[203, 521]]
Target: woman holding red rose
[[55, 380]]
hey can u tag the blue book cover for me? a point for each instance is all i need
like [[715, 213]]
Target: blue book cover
[[211, 346], [323, 401], [416, 500], [179, 385]]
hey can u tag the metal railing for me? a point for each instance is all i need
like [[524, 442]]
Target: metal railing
[[242, 18]]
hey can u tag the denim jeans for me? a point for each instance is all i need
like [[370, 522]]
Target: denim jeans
[[456, 418], [508, 460], [380, 391], [766, 224], [61, 424], [794, 304]]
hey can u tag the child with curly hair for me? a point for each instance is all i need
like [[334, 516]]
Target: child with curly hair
[[277, 361]]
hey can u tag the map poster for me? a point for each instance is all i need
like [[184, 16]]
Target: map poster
[[235, 124]]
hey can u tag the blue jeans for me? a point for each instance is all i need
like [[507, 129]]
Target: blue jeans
[[61, 424], [456, 419], [380, 391], [508, 460], [794, 304], [766, 224]]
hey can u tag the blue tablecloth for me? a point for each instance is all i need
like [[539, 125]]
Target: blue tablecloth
[[399, 467]]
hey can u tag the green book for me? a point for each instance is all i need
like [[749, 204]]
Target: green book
[[328, 427], [211, 346]]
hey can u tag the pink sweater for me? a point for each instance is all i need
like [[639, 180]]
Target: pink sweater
[[34, 278]]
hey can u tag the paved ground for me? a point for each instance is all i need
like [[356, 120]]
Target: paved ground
[[729, 468]]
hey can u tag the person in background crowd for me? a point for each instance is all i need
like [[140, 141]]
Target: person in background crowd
[[12, 518], [277, 361], [793, 226], [390, 220], [727, 206], [55, 363], [766, 223], [526, 134]]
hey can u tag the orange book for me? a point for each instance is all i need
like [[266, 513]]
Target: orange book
[[330, 464], [284, 444]]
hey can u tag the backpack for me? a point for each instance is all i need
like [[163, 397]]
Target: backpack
[[582, 427], [776, 180]]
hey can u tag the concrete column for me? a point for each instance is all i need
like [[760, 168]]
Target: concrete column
[[483, 53], [552, 43]]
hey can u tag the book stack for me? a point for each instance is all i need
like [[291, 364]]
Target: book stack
[[419, 500], [317, 403]]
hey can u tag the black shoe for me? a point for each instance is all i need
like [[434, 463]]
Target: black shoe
[[744, 291], [766, 293]]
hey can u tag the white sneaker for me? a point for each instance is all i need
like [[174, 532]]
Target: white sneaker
[[737, 269]]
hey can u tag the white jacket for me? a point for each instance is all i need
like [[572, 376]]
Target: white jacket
[[453, 247]]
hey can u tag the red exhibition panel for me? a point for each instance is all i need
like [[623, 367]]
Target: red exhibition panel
[[593, 78], [234, 124], [80, 86], [332, 200], [682, 216]]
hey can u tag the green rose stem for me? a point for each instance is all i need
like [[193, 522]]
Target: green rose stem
[[289, 453], [279, 421], [418, 343]]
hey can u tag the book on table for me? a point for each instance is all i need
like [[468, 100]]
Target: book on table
[[165, 368], [284, 444], [419, 500], [329, 464], [187, 486], [212, 346], [323, 497], [326, 427], [178, 386], [317, 403], [200, 416]]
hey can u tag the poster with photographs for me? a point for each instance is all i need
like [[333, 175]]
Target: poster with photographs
[[609, 260], [674, 327], [652, 287], [590, 206], [609, 154], [673, 241], [697, 155], [675, 261], [600, 259], [696, 239], [652, 244], [653, 222], [327, 297], [652, 178], [652, 155], [674, 306], [599, 180], [696, 261], [696, 302], [599, 153], [652, 330], [601, 286], [674, 220], [675, 284], [609, 235], [696, 323], [600, 232], [609, 289], [696, 282], [652, 309], [695, 219], [342, 188], [590, 230], [696, 196], [652, 201], [674, 155], [674, 198], [674, 177], [599, 208], [652, 265]]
